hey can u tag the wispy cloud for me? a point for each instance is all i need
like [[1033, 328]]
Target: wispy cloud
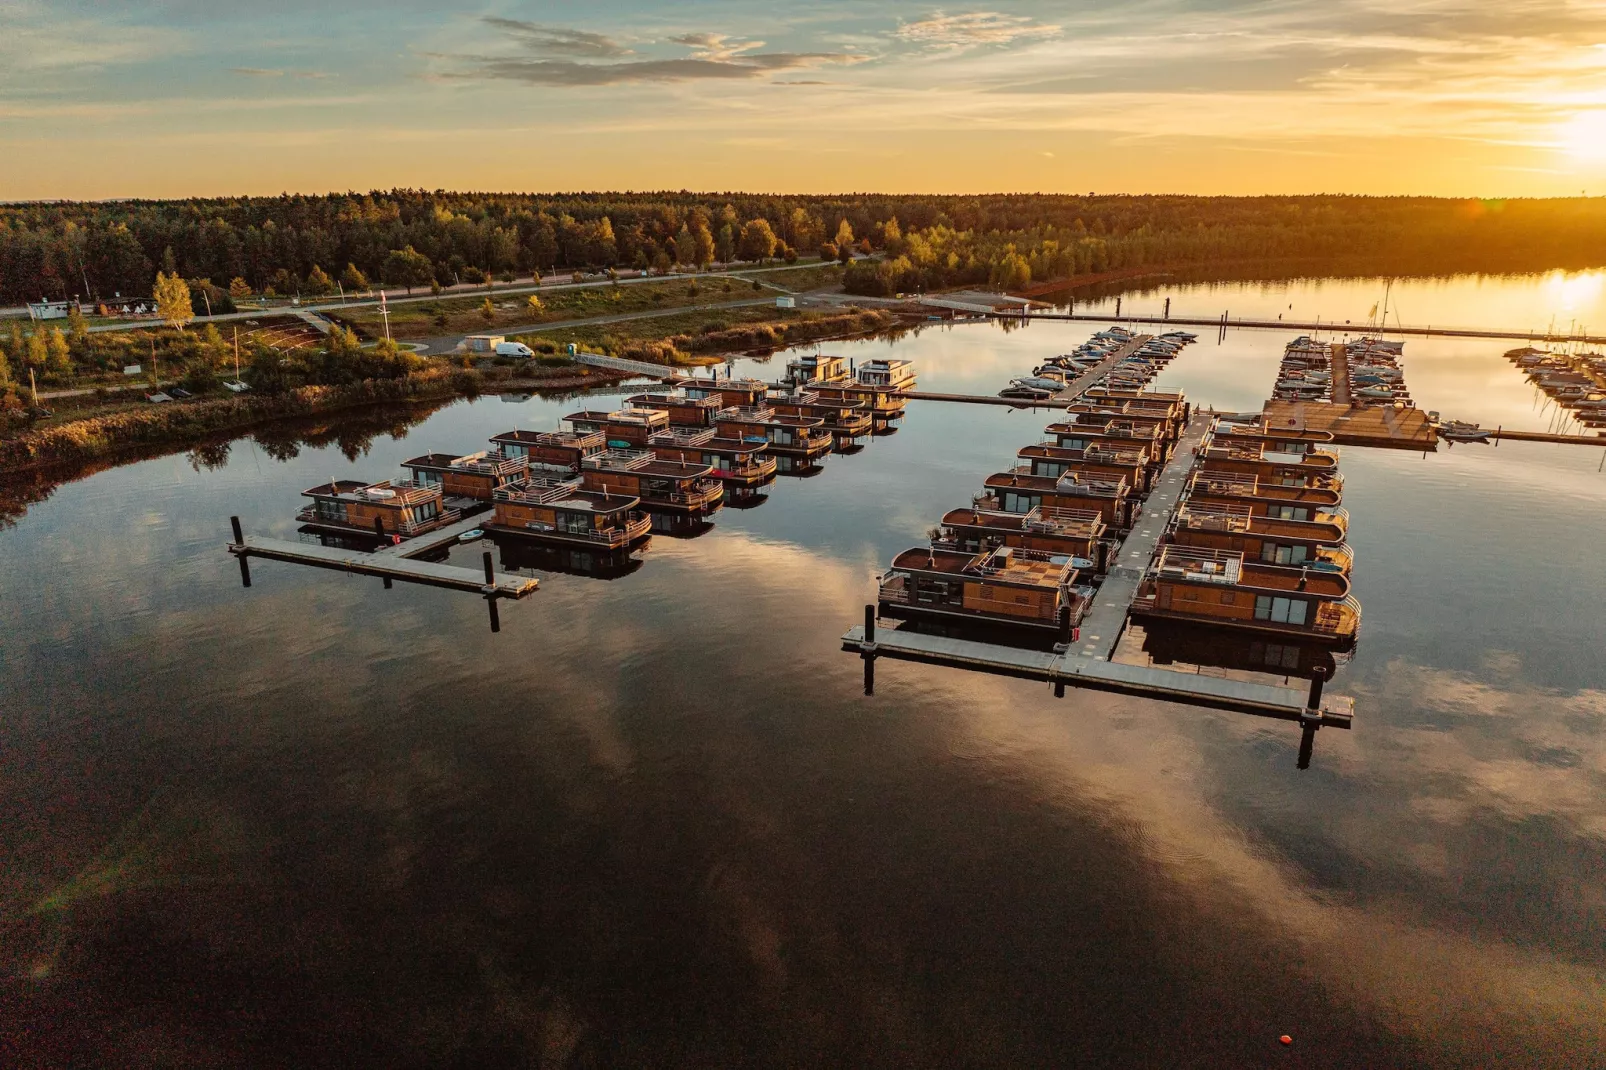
[[270, 72], [974, 28], [714, 56]]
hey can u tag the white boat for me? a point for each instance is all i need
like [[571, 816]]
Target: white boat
[[1459, 431]]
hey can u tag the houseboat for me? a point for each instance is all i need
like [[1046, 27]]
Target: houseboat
[[1100, 460], [551, 451], [1278, 440], [1221, 588], [1175, 642], [797, 442], [879, 384], [885, 374], [1075, 533], [1319, 544], [663, 486], [352, 506], [1082, 430], [517, 554], [1004, 585], [743, 393], [1320, 504], [478, 475], [1087, 416], [1309, 469], [1173, 407], [560, 511], [845, 418], [815, 368], [737, 462], [622, 429], [683, 409], [1019, 492]]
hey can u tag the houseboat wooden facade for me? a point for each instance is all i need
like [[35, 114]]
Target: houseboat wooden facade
[[1130, 464], [622, 429], [1077, 533], [799, 441], [1309, 469], [815, 368], [666, 486], [845, 418], [1221, 588], [737, 462], [551, 451], [476, 475], [560, 511], [1019, 492], [380, 509], [1316, 543], [741, 393], [1320, 504], [682, 408], [1003, 585]]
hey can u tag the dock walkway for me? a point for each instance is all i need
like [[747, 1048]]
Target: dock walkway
[[1339, 369], [385, 566], [431, 540], [1096, 374], [1101, 628]]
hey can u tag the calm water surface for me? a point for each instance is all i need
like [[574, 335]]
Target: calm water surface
[[655, 821]]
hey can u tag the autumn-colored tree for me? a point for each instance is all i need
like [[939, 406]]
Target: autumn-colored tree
[[487, 310], [353, 281], [828, 251], [844, 253], [685, 246], [844, 233], [58, 357], [38, 352], [536, 305], [5, 371], [173, 300], [239, 288], [318, 283], [703, 245], [757, 241]]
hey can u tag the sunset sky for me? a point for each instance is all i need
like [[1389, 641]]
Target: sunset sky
[[1196, 96]]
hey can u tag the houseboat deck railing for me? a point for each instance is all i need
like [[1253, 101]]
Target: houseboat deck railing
[[1210, 517], [984, 562], [618, 459], [1220, 483], [1333, 616], [792, 397], [1061, 520], [1198, 565], [894, 587], [702, 492], [310, 515], [755, 414], [538, 491], [489, 463], [653, 401], [683, 437], [573, 439]]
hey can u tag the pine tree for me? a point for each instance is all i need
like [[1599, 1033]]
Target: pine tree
[[239, 288]]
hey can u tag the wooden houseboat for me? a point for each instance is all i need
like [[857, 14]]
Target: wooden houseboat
[[1076, 433], [622, 429], [477, 475], [1003, 585], [1132, 464], [1176, 642], [1279, 440], [815, 368], [352, 506], [845, 418], [739, 463], [1318, 544], [558, 510], [551, 451], [886, 374], [1019, 492], [594, 562], [683, 409], [742, 393], [1077, 533], [1221, 588], [1086, 415], [667, 486], [1312, 469], [1320, 504], [798, 440], [1174, 407], [878, 384]]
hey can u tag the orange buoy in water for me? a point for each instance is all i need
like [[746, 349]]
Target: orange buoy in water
[[1285, 1039]]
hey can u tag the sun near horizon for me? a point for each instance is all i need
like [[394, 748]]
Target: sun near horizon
[[166, 100]]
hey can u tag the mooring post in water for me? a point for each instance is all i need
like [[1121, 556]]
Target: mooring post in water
[[868, 649], [379, 527], [1064, 643], [490, 593], [1317, 676], [245, 562], [1168, 308], [1307, 743]]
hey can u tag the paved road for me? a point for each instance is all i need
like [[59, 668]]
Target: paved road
[[501, 290]]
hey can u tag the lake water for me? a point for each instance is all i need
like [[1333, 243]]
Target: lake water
[[655, 821]]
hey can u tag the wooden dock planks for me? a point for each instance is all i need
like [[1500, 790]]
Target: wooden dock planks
[[454, 577], [1386, 426]]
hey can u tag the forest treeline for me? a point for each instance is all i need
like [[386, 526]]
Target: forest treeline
[[311, 244]]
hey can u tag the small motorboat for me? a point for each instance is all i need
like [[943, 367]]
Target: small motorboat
[[471, 536], [1460, 431]]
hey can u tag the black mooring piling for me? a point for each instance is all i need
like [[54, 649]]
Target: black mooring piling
[[490, 572], [1307, 743], [869, 624], [379, 527], [245, 562], [239, 535], [1318, 675]]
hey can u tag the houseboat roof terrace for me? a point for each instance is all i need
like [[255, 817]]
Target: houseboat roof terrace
[[1192, 564], [1092, 454], [1234, 485], [1239, 519], [676, 400], [577, 439], [1072, 483], [683, 437], [643, 462], [566, 493], [1043, 520], [1257, 452], [766, 415], [1003, 564], [382, 493], [483, 463]]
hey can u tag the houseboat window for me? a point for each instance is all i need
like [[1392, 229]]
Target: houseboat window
[[1283, 555], [1289, 512], [1016, 502], [514, 449], [781, 436], [426, 477], [1050, 468], [426, 511], [574, 523], [1280, 610], [1073, 443], [332, 510]]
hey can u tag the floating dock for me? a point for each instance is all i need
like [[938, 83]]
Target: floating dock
[[1373, 425]]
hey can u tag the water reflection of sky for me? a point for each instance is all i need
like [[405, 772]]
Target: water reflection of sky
[[657, 814]]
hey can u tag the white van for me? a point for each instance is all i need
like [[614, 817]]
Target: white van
[[513, 349]]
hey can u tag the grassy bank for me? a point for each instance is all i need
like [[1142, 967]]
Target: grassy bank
[[683, 339]]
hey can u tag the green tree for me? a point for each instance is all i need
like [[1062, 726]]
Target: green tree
[[757, 241], [685, 246], [216, 349], [725, 244], [353, 280], [408, 267], [239, 288], [318, 282], [173, 300]]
